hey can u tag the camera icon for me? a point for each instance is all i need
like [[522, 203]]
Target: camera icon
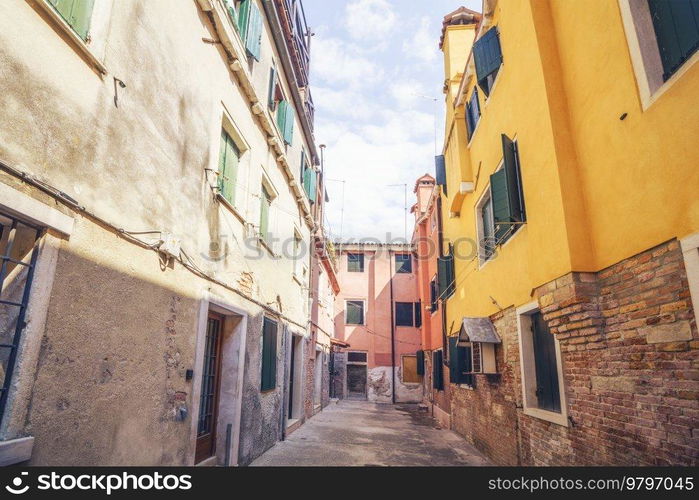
[[16, 487]]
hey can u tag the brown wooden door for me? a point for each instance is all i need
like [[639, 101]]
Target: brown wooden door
[[210, 384]]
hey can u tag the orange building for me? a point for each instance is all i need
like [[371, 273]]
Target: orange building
[[376, 313], [426, 241]]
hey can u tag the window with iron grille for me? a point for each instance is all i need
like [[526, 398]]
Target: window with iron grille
[[18, 254]]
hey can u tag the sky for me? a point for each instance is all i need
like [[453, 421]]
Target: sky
[[376, 69]]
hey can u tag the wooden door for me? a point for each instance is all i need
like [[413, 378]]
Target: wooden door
[[210, 385]]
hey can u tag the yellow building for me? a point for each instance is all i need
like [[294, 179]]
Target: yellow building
[[571, 203]]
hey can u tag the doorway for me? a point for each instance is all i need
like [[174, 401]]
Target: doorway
[[210, 386], [357, 375], [295, 401]]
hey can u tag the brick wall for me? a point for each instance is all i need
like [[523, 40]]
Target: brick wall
[[630, 354], [487, 415]]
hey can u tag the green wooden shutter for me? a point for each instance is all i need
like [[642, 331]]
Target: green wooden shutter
[[271, 98], [454, 369], [269, 355], [501, 205], [437, 371], [487, 55], [230, 8], [546, 366], [281, 115], [513, 174], [77, 13], [418, 314], [243, 18], [289, 124], [253, 38], [420, 358], [445, 276], [441, 172], [227, 167], [676, 25], [265, 203]]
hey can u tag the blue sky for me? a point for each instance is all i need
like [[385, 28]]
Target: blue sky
[[371, 60]]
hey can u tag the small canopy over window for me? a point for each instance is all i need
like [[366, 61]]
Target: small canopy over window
[[481, 335]]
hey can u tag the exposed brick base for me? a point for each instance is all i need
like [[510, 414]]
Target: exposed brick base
[[630, 354]]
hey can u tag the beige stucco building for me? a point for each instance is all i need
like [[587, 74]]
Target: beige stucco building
[[162, 153]]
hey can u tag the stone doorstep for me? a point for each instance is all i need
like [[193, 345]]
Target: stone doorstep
[[15, 451]]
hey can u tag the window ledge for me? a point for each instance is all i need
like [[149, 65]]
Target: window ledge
[[230, 207], [466, 386], [670, 82], [549, 416], [80, 44], [297, 279], [266, 246], [16, 451]]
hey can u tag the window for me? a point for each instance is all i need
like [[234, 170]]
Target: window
[[460, 367], [228, 160], [18, 255], [309, 177], [77, 13], [541, 367], [409, 371], [487, 227], [355, 262], [285, 120], [272, 90], [434, 295], [404, 313], [354, 312], [246, 16], [437, 371], [487, 55], [269, 355], [404, 263], [501, 210], [676, 25], [356, 357], [418, 314], [473, 114], [265, 204]]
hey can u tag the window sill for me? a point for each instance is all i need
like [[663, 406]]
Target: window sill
[[465, 386], [230, 207], [298, 280], [670, 82], [549, 416], [266, 246], [78, 42]]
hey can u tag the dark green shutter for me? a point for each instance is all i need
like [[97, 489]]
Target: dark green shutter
[[445, 276], [269, 355], [506, 192], [243, 18], [227, 167], [473, 113], [434, 296], [487, 55], [420, 358], [546, 367], [437, 371], [454, 368], [405, 314], [281, 115], [418, 314], [271, 98], [77, 13], [441, 172], [676, 24], [232, 14], [253, 37], [309, 183]]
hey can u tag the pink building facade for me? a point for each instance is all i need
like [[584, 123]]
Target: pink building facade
[[378, 313]]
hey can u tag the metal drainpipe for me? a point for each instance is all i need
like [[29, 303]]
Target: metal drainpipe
[[393, 332]]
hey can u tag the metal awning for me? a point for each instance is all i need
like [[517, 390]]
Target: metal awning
[[478, 330]]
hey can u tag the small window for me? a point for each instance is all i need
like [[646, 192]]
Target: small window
[[404, 313], [460, 362], [409, 370], [487, 55], [404, 263], [269, 355], [228, 160], [77, 13], [355, 262], [473, 113], [434, 295], [446, 278], [356, 357], [354, 311]]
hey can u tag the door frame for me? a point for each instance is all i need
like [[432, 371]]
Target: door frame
[[213, 302], [365, 364]]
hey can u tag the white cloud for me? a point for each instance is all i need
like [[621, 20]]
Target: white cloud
[[370, 20], [336, 62], [422, 44], [407, 92]]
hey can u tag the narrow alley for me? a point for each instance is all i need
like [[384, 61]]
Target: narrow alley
[[359, 433]]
